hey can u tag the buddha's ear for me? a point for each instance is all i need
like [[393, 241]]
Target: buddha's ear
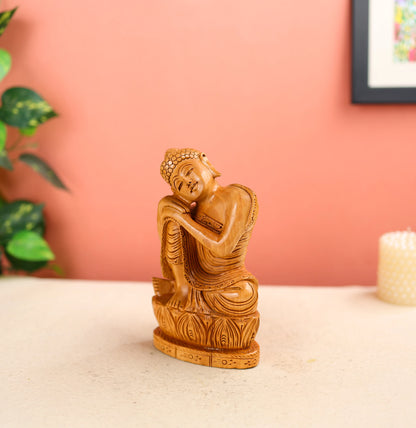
[[208, 164]]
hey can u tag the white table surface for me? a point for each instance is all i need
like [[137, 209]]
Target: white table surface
[[80, 354]]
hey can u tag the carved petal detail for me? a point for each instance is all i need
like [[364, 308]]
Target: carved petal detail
[[191, 329], [225, 334], [165, 319], [205, 330], [249, 330]]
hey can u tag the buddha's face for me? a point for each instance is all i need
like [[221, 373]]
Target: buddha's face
[[191, 179]]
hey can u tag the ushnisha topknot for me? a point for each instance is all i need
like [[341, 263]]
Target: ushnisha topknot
[[175, 156]]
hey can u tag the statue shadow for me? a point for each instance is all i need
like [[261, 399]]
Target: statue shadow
[[146, 344]]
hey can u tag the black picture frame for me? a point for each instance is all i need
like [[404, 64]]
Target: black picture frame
[[361, 92]]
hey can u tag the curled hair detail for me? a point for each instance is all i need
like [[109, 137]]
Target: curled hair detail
[[174, 156]]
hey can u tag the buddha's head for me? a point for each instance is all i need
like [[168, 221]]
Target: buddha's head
[[189, 173]]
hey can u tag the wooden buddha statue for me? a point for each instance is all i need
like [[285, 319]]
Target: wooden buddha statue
[[206, 304]]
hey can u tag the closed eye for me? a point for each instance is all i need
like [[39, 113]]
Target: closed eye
[[180, 186], [189, 171]]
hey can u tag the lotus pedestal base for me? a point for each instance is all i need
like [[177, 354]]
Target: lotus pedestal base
[[227, 359]]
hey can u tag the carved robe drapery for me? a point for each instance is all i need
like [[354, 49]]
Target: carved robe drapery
[[220, 285]]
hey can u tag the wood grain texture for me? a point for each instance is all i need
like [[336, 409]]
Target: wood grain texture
[[206, 304]]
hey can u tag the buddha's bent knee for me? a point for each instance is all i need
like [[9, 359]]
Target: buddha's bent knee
[[239, 298]]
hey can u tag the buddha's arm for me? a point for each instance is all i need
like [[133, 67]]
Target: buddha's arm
[[169, 207], [221, 244]]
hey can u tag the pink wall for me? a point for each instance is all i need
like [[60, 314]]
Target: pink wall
[[262, 87]]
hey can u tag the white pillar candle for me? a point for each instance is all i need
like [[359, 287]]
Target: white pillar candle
[[397, 268]]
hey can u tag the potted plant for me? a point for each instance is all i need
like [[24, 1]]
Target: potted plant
[[22, 224]]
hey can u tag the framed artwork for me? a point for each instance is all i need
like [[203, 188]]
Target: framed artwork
[[384, 51]]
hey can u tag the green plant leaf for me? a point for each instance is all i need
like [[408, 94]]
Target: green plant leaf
[[29, 246], [57, 269], [17, 264], [20, 215], [5, 18], [28, 132], [5, 63], [24, 108], [5, 161], [3, 135], [41, 167]]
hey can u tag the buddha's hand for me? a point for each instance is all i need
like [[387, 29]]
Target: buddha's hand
[[172, 207]]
